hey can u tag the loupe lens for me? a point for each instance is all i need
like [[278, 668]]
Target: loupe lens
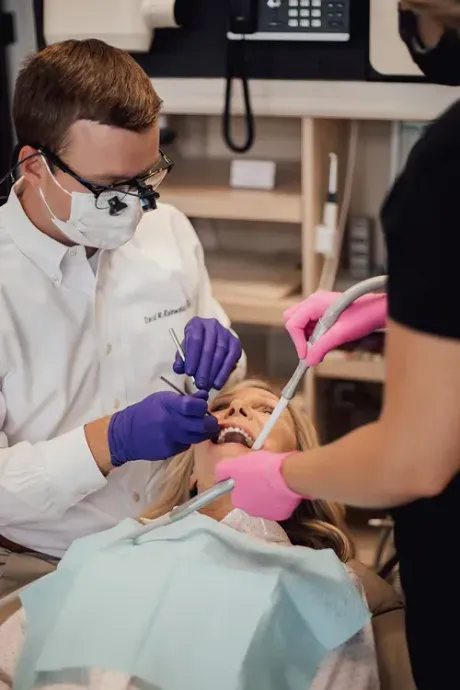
[[155, 179]]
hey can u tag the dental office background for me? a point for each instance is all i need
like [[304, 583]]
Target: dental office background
[[323, 77]]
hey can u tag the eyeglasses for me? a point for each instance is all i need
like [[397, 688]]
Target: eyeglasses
[[143, 186]]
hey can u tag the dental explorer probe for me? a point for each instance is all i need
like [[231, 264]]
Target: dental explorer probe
[[326, 322], [180, 351], [178, 391]]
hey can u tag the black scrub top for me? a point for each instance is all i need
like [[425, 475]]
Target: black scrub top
[[421, 222], [440, 64]]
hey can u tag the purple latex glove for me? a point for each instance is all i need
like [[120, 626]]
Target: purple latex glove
[[211, 353], [160, 426], [367, 314]]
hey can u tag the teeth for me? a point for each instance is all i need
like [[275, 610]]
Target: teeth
[[249, 441]]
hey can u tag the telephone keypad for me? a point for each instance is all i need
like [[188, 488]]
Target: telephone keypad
[[330, 16], [302, 20]]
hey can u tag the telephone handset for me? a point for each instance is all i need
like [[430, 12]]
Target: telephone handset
[[274, 20], [289, 20], [243, 16]]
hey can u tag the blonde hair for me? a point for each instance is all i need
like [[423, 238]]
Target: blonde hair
[[446, 12], [316, 524]]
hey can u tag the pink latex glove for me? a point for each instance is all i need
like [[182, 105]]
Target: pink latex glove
[[364, 316], [260, 489]]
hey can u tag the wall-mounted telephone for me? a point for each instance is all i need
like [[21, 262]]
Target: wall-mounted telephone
[[289, 20]]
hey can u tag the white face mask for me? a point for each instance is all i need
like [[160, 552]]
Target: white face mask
[[93, 226]]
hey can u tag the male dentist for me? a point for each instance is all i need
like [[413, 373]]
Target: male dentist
[[89, 287]]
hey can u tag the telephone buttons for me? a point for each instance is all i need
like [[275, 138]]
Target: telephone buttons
[[300, 20]]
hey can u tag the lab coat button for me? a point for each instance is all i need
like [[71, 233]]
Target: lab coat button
[[108, 349], [136, 497]]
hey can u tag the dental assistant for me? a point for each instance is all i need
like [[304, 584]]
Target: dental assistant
[[430, 29], [89, 287], [410, 458]]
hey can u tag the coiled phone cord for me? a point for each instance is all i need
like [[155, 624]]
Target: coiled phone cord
[[237, 68]]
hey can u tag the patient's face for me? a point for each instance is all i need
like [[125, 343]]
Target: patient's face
[[241, 416]]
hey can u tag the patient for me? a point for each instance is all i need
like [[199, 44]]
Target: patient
[[241, 413], [316, 524]]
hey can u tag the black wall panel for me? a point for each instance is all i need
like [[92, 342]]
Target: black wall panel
[[200, 51], [6, 127]]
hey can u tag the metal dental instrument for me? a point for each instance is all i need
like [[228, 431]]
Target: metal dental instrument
[[172, 385], [328, 319], [178, 390], [180, 351]]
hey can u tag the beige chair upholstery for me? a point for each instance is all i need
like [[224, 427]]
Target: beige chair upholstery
[[389, 626]]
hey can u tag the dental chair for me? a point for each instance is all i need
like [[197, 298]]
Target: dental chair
[[389, 626], [386, 561]]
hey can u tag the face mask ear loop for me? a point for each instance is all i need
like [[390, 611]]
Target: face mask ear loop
[[42, 195], [53, 177]]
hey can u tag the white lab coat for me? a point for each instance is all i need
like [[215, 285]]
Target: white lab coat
[[78, 342]]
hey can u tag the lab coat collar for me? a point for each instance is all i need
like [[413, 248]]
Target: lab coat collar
[[45, 252]]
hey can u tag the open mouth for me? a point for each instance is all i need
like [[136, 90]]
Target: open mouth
[[235, 434]]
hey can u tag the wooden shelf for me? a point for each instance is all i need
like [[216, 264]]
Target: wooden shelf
[[352, 369], [258, 312], [200, 189]]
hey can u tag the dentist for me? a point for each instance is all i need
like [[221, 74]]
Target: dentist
[[89, 287], [410, 458]]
